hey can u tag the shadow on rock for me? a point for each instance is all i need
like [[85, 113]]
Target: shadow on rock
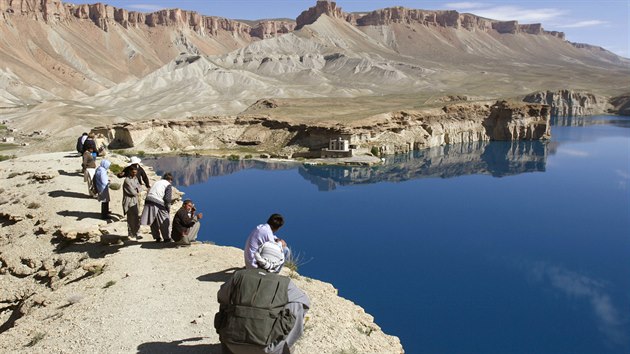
[[68, 194], [179, 346], [80, 215], [67, 173], [94, 250], [219, 277]]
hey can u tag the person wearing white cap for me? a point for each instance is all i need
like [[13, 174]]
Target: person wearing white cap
[[260, 311], [141, 175]]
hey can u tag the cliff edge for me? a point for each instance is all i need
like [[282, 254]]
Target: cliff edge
[[69, 284]]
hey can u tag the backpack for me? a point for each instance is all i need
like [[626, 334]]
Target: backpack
[[256, 313]]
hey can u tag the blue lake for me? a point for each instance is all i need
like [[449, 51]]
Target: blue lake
[[477, 248]]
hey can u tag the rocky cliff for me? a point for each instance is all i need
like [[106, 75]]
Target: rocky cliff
[[390, 133], [621, 105], [569, 103], [104, 16], [425, 17]]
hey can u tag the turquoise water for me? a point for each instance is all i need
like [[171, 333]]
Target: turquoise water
[[476, 248]]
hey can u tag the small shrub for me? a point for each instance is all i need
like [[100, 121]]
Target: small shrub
[[375, 151], [38, 336], [141, 153], [114, 186], [13, 174], [34, 205], [248, 156], [233, 157], [116, 168], [6, 157]]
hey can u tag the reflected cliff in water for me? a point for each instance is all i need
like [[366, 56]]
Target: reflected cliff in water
[[497, 159], [490, 158], [189, 170]]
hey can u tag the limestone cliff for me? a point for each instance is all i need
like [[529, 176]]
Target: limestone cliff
[[569, 103], [621, 105], [390, 133], [425, 17], [271, 28]]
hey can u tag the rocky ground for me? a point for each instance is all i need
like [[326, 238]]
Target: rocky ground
[[68, 283]]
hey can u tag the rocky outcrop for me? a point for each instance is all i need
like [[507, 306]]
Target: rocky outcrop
[[621, 105], [104, 16], [272, 28], [322, 7], [569, 103], [391, 15], [391, 133]]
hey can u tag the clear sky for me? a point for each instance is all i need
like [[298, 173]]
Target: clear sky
[[603, 23]]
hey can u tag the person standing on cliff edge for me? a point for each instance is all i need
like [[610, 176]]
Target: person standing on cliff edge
[[265, 233], [156, 208]]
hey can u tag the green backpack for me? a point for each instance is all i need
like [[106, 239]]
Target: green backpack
[[256, 314]]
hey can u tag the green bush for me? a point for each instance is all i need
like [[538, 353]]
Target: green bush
[[375, 151], [115, 168], [234, 157], [141, 153], [6, 157], [248, 156]]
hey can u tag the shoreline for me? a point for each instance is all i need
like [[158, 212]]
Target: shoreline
[[71, 284]]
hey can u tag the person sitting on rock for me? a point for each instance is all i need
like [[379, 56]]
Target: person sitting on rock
[[141, 175], [156, 208], [261, 234], [186, 224], [261, 311], [131, 189], [101, 182]]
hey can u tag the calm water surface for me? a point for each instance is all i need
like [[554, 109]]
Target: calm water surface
[[476, 248]]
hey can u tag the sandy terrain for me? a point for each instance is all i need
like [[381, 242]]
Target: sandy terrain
[[148, 298]]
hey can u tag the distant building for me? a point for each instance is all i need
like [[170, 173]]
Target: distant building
[[337, 147]]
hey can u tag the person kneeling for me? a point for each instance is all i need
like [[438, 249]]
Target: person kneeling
[[186, 224], [261, 311]]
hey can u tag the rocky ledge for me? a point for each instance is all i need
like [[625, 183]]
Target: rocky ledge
[[70, 284], [574, 103], [388, 133]]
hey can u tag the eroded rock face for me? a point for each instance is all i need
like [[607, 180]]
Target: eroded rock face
[[105, 16], [449, 18], [621, 105], [569, 103], [268, 29], [391, 133]]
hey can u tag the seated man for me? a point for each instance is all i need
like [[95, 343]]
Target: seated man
[[186, 224], [260, 311], [261, 234]]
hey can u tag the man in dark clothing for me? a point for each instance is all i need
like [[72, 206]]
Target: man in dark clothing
[[141, 175], [90, 142], [260, 312], [186, 224], [80, 142]]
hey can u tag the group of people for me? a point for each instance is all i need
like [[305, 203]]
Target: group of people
[[260, 310]]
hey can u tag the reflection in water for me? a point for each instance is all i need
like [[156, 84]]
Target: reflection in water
[[498, 159], [579, 286], [494, 158], [189, 170], [620, 121]]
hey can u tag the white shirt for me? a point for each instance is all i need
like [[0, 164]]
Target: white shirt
[[261, 234]]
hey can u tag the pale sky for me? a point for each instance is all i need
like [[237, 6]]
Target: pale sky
[[603, 23]]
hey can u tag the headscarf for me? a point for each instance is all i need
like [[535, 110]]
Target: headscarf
[[270, 257], [101, 178]]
